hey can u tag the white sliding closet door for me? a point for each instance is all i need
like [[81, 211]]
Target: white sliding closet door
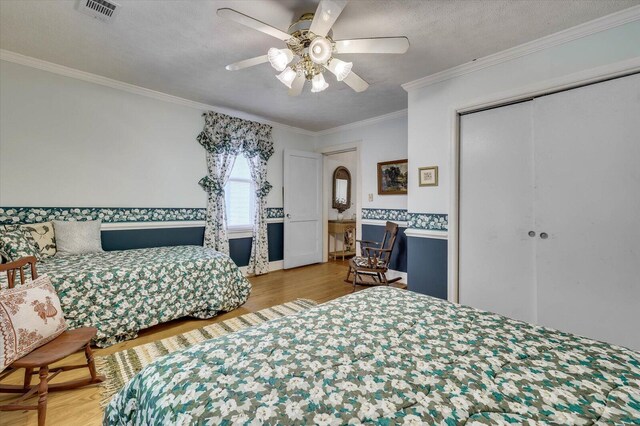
[[496, 255], [587, 156]]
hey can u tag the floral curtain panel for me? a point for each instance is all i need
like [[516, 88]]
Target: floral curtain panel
[[224, 137], [259, 260], [219, 168]]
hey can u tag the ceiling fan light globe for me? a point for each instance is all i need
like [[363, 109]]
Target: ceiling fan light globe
[[320, 50], [318, 84], [287, 76], [341, 69], [279, 58]]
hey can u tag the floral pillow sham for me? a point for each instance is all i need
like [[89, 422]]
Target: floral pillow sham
[[16, 242], [44, 238]]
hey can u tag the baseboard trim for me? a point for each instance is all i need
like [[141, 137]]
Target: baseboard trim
[[276, 265], [391, 274]]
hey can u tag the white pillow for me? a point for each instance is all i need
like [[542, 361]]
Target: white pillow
[[78, 237], [30, 316]]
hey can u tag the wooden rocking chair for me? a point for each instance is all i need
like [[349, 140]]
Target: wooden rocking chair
[[65, 344], [371, 268]]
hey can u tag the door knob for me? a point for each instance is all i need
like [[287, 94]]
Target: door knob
[[532, 233], [544, 235], [288, 216]]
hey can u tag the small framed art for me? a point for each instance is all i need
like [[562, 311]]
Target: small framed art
[[393, 177], [428, 176]]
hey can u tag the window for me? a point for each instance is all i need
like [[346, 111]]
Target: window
[[238, 194]]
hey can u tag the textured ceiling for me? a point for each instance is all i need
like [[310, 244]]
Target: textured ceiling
[[181, 47]]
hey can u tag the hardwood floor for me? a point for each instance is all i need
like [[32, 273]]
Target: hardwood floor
[[321, 283]]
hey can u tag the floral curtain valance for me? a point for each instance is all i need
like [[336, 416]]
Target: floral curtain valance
[[223, 133]]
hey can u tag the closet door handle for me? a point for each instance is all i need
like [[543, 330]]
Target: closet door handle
[[532, 233], [544, 235], [288, 216]]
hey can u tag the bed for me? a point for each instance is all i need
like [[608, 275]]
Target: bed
[[387, 356], [123, 292]]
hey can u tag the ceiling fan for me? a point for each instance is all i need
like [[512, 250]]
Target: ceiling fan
[[310, 49]]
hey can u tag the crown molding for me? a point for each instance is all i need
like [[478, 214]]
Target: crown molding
[[17, 58], [597, 25], [363, 123]]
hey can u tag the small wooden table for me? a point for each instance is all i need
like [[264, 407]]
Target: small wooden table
[[341, 228]]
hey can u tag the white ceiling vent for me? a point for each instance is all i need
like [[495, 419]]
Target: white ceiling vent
[[103, 10]]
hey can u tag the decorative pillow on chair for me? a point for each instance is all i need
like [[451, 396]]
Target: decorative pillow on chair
[[16, 242], [30, 316], [363, 262], [44, 237], [78, 237]]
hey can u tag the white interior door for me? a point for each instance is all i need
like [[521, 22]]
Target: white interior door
[[496, 254], [302, 208], [587, 149]]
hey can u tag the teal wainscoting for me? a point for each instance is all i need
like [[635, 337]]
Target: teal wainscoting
[[427, 256], [124, 239], [423, 257], [427, 266]]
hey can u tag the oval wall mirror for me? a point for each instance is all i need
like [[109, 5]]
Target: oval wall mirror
[[341, 189]]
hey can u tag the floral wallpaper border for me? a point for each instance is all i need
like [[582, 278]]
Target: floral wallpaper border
[[275, 213], [10, 215], [428, 221], [384, 214]]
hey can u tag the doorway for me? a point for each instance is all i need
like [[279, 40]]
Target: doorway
[[342, 220]]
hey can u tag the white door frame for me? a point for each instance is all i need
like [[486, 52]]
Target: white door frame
[[326, 197], [571, 81]]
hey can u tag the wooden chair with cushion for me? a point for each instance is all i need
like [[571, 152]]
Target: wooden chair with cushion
[[67, 343], [372, 266]]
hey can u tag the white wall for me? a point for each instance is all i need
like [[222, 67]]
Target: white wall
[[383, 140], [431, 108], [66, 142]]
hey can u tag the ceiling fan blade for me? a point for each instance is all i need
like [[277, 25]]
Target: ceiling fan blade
[[326, 15], [354, 81], [373, 45], [250, 22], [297, 85], [247, 63]]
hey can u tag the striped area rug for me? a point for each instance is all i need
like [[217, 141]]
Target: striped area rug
[[120, 367]]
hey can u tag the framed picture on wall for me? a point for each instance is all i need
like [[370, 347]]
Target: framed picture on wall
[[393, 177], [428, 176]]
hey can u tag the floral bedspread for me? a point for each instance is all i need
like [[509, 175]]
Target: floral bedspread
[[387, 356], [122, 292]]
